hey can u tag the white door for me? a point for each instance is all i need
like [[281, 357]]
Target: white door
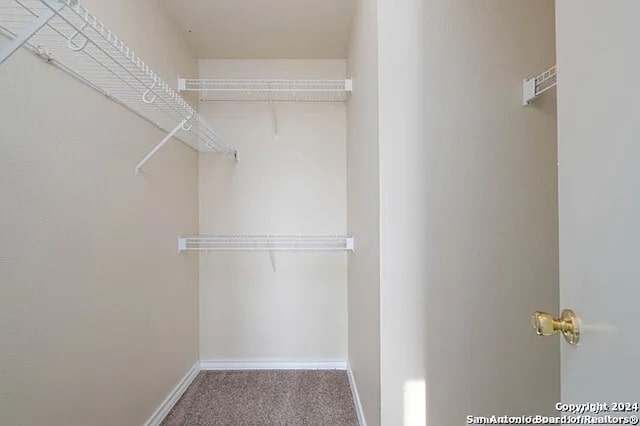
[[598, 56]]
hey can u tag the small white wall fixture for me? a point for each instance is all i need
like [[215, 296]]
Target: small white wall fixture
[[536, 86]]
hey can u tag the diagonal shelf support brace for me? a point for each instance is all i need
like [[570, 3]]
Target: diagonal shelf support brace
[[160, 145], [9, 48]]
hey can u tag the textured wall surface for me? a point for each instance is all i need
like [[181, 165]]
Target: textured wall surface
[[98, 311]]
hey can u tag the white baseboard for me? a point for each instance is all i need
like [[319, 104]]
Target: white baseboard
[[173, 397], [325, 364], [356, 397]]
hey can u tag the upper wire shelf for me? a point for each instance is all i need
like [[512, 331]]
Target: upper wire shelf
[[67, 35], [266, 243], [536, 86], [237, 90]]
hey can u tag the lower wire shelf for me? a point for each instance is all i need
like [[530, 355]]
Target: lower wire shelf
[[266, 243]]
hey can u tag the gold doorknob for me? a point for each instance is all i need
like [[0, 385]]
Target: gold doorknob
[[568, 324]]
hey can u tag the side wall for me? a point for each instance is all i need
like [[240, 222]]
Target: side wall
[[283, 306], [98, 312], [468, 210], [404, 215], [363, 209]]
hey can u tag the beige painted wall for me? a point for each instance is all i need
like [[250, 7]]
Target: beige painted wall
[[469, 235], [294, 306], [98, 312], [363, 210], [404, 215]]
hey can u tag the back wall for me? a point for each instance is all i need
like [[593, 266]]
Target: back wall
[[284, 306]]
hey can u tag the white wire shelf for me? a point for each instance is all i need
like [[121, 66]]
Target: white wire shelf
[[266, 243], [67, 35], [219, 90], [536, 86]]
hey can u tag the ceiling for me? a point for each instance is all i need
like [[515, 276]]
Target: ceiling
[[265, 29]]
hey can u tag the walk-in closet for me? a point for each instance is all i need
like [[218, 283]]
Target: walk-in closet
[[311, 212]]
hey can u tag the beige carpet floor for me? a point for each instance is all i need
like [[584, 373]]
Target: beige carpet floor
[[266, 397]]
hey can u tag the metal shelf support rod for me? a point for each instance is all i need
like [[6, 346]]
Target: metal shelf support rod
[[160, 145]]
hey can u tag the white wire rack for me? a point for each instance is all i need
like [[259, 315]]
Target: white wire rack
[[217, 90], [536, 86], [265, 243], [67, 35]]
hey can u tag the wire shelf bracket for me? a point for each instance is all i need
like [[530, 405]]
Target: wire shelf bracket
[[68, 36], [232, 243], [242, 90], [536, 86]]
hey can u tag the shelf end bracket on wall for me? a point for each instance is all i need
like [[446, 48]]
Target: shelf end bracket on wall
[[9, 48], [182, 84], [350, 244], [166, 139], [182, 244], [536, 86], [348, 85]]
